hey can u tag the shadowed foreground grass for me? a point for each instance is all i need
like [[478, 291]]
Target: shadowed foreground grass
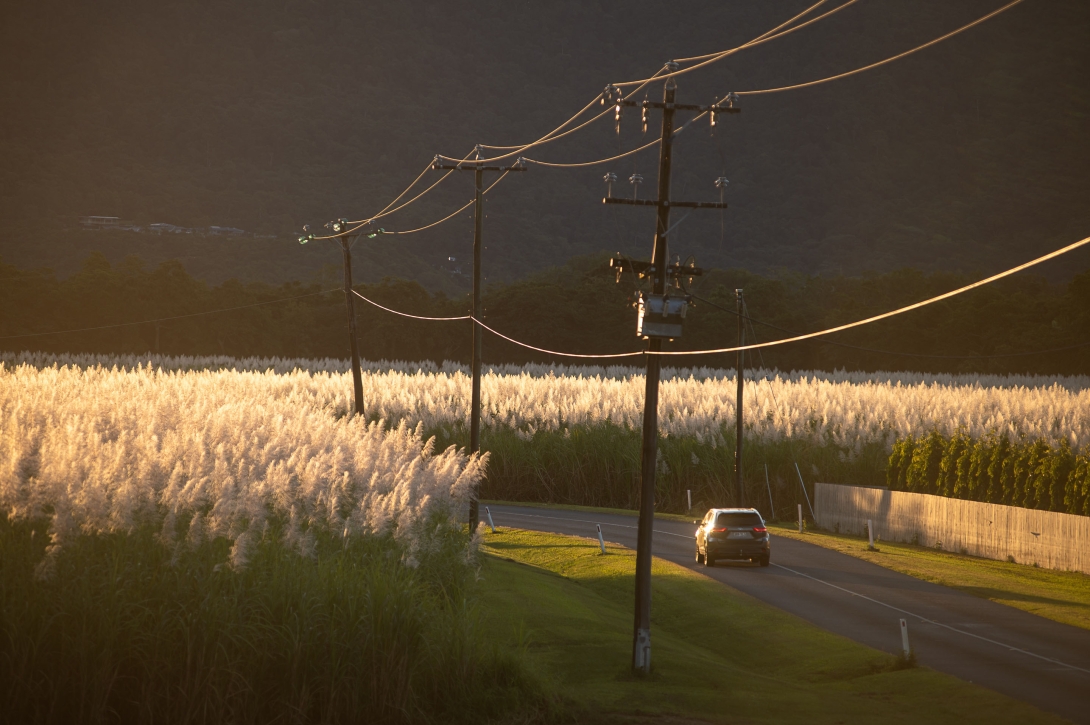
[[1063, 596], [127, 631], [718, 655]]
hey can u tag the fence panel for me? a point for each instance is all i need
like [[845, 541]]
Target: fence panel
[[1046, 538]]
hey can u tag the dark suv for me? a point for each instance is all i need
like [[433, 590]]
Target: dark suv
[[732, 534]]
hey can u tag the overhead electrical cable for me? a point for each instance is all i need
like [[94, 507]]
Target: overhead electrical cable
[[548, 138], [557, 133], [593, 163], [407, 188], [456, 213], [406, 314], [659, 75], [951, 34], [167, 319], [779, 27], [555, 352], [550, 135], [387, 211], [752, 321], [727, 53], [378, 232], [830, 330], [891, 313]]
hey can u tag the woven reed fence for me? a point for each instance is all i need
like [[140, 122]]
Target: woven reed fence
[[1046, 538]]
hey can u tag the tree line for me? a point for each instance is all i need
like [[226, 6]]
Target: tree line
[[579, 307]]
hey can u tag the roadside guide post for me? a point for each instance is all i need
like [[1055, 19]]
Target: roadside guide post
[[800, 518], [601, 541], [904, 639]]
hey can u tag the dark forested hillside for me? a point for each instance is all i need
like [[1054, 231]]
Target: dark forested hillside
[[574, 308], [968, 156]]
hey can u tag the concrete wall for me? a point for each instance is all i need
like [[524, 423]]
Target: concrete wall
[[1048, 539]]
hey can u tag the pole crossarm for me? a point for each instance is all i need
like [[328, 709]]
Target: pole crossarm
[[714, 108], [644, 269], [437, 165], [666, 203]]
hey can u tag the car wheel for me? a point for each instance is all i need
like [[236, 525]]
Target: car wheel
[[709, 560], [765, 559], [699, 558]]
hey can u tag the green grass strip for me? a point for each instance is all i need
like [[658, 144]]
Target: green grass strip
[[717, 654], [1062, 596]]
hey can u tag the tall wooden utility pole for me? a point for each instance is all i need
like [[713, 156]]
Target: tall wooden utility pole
[[357, 376], [658, 270], [475, 360], [739, 367], [341, 233]]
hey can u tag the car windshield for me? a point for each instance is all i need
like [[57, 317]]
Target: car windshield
[[738, 520]]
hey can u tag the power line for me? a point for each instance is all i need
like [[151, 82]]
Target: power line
[[555, 352], [549, 138], [659, 75], [892, 313], [752, 320], [361, 225], [406, 314], [727, 53], [593, 163], [558, 132], [806, 336], [459, 211], [782, 25], [166, 319], [882, 62]]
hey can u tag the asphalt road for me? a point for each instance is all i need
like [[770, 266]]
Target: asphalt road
[[1019, 654]]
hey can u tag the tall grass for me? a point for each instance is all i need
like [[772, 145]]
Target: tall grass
[[126, 631], [211, 547]]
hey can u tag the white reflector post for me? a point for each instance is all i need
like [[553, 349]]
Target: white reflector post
[[904, 639]]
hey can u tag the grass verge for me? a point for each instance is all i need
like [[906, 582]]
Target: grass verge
[[1063, 596], [718, 655]]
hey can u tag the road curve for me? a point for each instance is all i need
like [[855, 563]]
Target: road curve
[[1036, 660]]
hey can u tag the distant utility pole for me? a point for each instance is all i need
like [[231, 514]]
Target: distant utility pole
[[740, 367], [341, 233], [478, 224], [661, 317]]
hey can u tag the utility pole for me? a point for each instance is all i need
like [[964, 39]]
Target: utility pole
[[341, 233], [475, 360], [739, 367], [660, 318], [357, 375]]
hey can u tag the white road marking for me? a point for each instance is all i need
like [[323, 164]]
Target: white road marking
[[834, 586], [932, 621]]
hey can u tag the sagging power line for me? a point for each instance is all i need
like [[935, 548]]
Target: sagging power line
[[478, 170]]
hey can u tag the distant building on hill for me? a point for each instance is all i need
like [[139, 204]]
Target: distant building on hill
[[163, 228], [104, 222], [113, 222], [228, 231]]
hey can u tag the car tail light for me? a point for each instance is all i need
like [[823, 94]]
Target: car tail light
[[759, 530], [719, 531]]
